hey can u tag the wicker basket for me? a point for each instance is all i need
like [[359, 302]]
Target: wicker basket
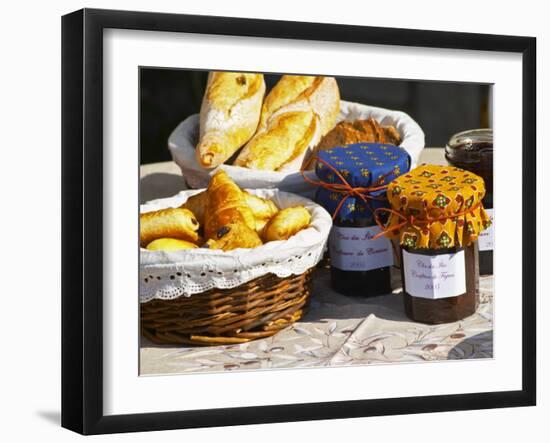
[[259, 308]]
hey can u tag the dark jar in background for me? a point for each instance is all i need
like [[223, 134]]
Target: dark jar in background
[[472, 150], [451, 297]]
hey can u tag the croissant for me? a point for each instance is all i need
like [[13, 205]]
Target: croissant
[[229, 115], [232, 236], [170, 244], [176, 223], [296, 114], [262, 209], [286, 223], [225, 204]]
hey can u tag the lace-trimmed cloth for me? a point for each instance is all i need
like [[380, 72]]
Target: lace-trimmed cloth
[[167, 275]]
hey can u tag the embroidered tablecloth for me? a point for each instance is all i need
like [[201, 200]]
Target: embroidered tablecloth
[[339, 331]]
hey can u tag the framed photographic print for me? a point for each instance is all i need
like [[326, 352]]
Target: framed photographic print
[[270, 221]]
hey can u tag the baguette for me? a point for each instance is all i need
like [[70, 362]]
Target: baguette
[[295, 115], [229, 115]]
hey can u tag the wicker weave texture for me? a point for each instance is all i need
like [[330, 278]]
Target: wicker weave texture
[[259, 308]]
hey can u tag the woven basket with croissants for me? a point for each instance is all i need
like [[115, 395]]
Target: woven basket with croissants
[[226, 218]]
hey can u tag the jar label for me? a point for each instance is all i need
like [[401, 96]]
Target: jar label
[[486, 238], [354, 249], [434, 276]]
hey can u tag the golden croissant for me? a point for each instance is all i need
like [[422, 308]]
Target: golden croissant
[[226, 208], [262, 209]]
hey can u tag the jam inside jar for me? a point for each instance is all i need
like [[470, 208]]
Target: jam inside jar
[[350, 278], [440, 285], [472, 150]]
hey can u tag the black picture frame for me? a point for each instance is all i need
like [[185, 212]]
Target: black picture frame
[[82, 218]]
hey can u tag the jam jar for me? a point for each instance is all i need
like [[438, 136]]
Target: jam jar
[[472, 150], [352, 185], [437, 216], [359, 264], [424, 274]]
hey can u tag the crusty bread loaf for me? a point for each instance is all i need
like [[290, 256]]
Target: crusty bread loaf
[[229, 115], [295, 115]]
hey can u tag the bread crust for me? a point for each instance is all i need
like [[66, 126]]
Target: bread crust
[[295, 115], [229, 115]]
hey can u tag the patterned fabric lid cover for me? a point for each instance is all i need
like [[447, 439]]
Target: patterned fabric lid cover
[[362, 165], [445, 205]]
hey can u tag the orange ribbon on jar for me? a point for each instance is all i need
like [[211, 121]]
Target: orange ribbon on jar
[[411, 220], [344, 188]]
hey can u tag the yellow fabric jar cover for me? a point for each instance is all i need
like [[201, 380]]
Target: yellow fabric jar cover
[[436, 207]]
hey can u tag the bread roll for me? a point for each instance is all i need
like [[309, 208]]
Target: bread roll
[[296, 114], [366, 131], [229, 115], [170, 244], [176, 223], [286, 223]]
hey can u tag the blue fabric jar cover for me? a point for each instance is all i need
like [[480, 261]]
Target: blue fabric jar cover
[[362, 165]]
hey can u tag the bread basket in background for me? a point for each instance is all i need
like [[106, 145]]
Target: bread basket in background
[[184, 138], [209, 297]]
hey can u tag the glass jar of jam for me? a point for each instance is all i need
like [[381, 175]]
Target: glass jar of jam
[[440, 285], [359, 264], [437, 216], [352, 184], [472, 150]]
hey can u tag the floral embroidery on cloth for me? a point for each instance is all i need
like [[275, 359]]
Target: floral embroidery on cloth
[[441, 206]]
